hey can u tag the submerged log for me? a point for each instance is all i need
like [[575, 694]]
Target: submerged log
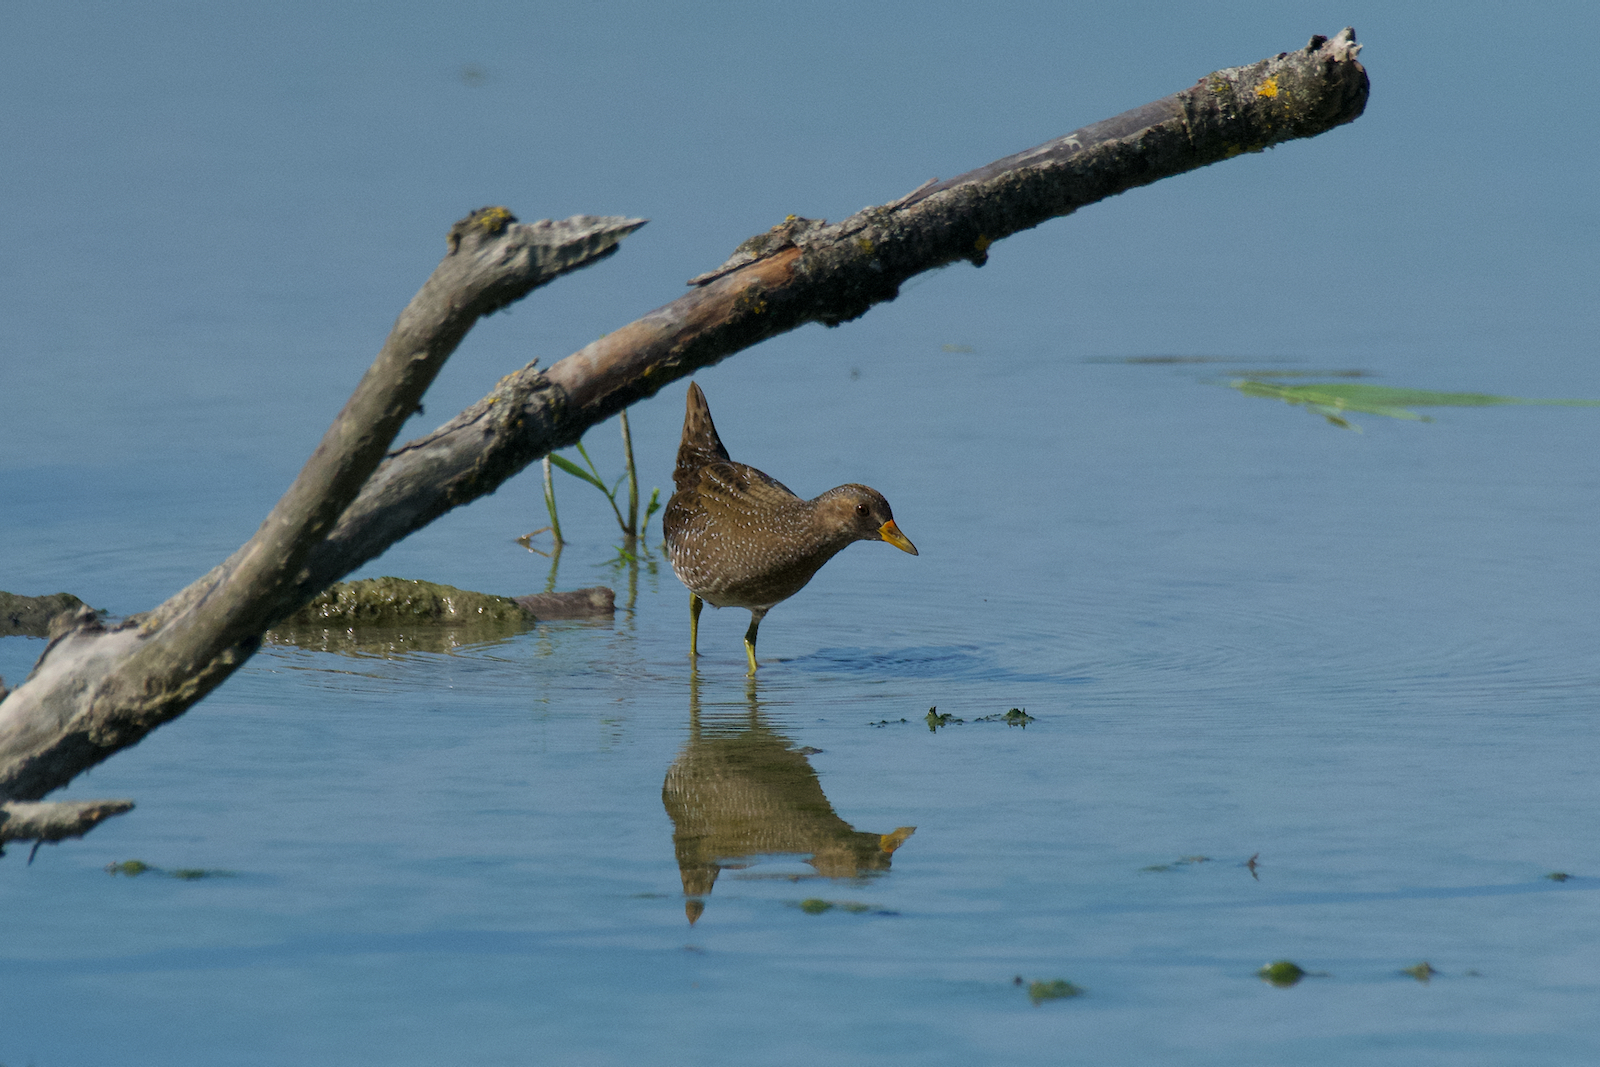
[[97, 690], [591, 603]]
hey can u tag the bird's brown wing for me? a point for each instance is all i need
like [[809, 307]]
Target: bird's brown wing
[[738, 489]]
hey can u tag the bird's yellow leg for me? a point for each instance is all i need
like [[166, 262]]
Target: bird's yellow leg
[[695, 604], [750, 638]]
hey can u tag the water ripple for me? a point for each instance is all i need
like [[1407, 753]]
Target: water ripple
[[951, 662]]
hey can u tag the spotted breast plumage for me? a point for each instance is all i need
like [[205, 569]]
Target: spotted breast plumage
[[739, 539]]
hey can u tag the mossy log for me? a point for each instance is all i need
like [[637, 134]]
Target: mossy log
[[97, 690]]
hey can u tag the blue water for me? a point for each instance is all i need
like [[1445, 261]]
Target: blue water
[[1364, 658]]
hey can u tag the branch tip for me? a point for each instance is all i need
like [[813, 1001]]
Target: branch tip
[[55, 821]]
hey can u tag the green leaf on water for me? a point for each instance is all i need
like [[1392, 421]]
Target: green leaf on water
[[1422, 972], [1282, 973], [134, 868], [1332, 400], [129, 868], [1057, 989]]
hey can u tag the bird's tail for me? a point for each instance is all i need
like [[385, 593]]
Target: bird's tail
[[700, 444]]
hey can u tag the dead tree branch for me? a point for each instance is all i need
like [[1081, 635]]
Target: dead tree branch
[[97, 690], [22, 820], [807, 271]]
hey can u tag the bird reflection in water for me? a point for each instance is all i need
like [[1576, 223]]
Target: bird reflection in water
[[740, 789]]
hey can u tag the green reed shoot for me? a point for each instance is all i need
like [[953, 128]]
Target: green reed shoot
[[550, 505], [632, 529]]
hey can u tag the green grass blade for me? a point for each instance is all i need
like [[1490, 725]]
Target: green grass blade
[[577, 471]]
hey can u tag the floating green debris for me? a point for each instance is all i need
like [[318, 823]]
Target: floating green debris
[[1558, 876], [934, 719], [1157, 361], [129, 868], [1056, 989], [1421, 971], [1282, 973], [1014, 717], [1332, 400], [134, 868], [816, 906], [1177, 864], [881, 723]]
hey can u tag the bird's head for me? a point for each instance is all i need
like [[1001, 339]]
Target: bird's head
[[863, 512]]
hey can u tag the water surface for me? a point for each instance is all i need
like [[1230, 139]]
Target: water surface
[[1365, 661]]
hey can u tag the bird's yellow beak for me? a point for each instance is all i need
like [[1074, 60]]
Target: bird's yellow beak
[[891, 533]]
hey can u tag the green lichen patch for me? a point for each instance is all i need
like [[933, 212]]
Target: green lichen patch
[[1054, 989], [393, 601], [1282, 973], [395, 616]]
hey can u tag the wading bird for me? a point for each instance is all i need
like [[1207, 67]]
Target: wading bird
[[739, 539]]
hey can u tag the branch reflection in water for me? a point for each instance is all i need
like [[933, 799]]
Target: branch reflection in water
[[740, 790]]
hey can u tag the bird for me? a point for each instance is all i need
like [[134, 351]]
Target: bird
[[740, 539]]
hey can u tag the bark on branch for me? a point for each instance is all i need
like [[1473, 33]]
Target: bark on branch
[[95, 691], [22, 820]]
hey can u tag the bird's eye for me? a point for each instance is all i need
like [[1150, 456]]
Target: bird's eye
[[862, 510]]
